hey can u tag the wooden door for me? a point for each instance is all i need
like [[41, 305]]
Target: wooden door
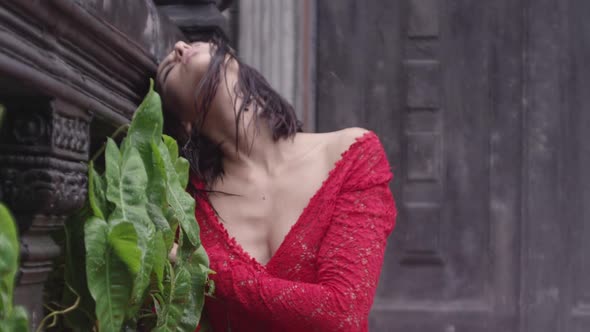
[[482, 108], [424, 75]]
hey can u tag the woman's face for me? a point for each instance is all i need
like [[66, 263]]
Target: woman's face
[[179, 75]]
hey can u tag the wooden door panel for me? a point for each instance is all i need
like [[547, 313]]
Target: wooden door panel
[[575, 158], [431, 90], [443, 250]]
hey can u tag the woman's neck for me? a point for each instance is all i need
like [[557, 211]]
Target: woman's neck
[[256, 148]]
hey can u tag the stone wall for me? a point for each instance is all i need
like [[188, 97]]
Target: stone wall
[[70, 73]]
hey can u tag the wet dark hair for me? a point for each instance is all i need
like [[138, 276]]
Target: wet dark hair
[[205, 156]]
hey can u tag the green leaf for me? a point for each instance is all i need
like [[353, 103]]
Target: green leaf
[[146, 127], [201, 256], [9, 248], [182, 168], [112, 171], [157, 197], [181, 203], [20, 319], [171, 146], [147, 124], [127, 182], [142, 281], [96, 193], [126, 190], [17, 321], [109, 280], [160, 259], [123, 240], [181, 165], [198, 266], [177, 295], [82, 318]]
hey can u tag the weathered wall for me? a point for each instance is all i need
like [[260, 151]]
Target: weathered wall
[[70, 72], [482, 109]]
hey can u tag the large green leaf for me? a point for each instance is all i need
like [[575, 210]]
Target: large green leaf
[[17, 321], [197, 263], [123, 240], [127, 180], [171, 146], [109, 280], [8, 259], [146, 128], [82, 318], [157, 196], [112, 170], [160, 259], [146, 125], [126, 184], [177, 292], [181, 203], [12, 319], [143, 279], [181, 165], [96, 193]]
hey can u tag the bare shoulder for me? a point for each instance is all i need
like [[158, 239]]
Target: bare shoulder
[[343, 139], [340, 141], [333, 144]]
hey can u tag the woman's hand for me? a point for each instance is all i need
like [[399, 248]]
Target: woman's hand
[[172, 253]]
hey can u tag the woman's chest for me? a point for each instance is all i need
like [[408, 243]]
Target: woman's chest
[[260, 214]]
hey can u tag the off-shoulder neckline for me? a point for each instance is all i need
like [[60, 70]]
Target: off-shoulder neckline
[[239, 250]]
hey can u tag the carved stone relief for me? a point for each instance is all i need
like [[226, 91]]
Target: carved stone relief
[[44, 144]]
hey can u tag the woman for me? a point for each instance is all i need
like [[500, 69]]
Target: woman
[[295, 224]]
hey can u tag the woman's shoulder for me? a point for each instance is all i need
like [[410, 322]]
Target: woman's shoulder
[[337, 143], [344, 139], [362, 150], [357, 150]]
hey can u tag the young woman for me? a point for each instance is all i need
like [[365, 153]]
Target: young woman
[[295, 224]]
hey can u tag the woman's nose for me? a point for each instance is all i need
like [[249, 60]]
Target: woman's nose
[[180, 48]]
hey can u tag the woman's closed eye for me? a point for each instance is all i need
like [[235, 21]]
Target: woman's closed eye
[[167, 70]]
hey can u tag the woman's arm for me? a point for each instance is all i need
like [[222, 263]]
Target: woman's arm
[[349, 260]]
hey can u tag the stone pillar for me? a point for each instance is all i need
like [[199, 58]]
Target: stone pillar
[[277, 37], [43, 150]]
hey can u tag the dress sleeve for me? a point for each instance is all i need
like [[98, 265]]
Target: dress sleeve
[[349, 263]]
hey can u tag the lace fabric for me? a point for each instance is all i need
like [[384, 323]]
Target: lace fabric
[[324, 275]]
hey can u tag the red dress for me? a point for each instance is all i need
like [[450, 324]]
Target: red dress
[[324, 275]]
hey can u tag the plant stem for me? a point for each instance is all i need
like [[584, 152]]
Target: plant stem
[[54, 314], [117, 132]]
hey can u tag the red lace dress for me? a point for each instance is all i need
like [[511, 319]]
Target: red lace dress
[[324, 275]]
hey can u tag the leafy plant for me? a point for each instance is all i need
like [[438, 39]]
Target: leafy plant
[[12, 319], [136, 209]]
